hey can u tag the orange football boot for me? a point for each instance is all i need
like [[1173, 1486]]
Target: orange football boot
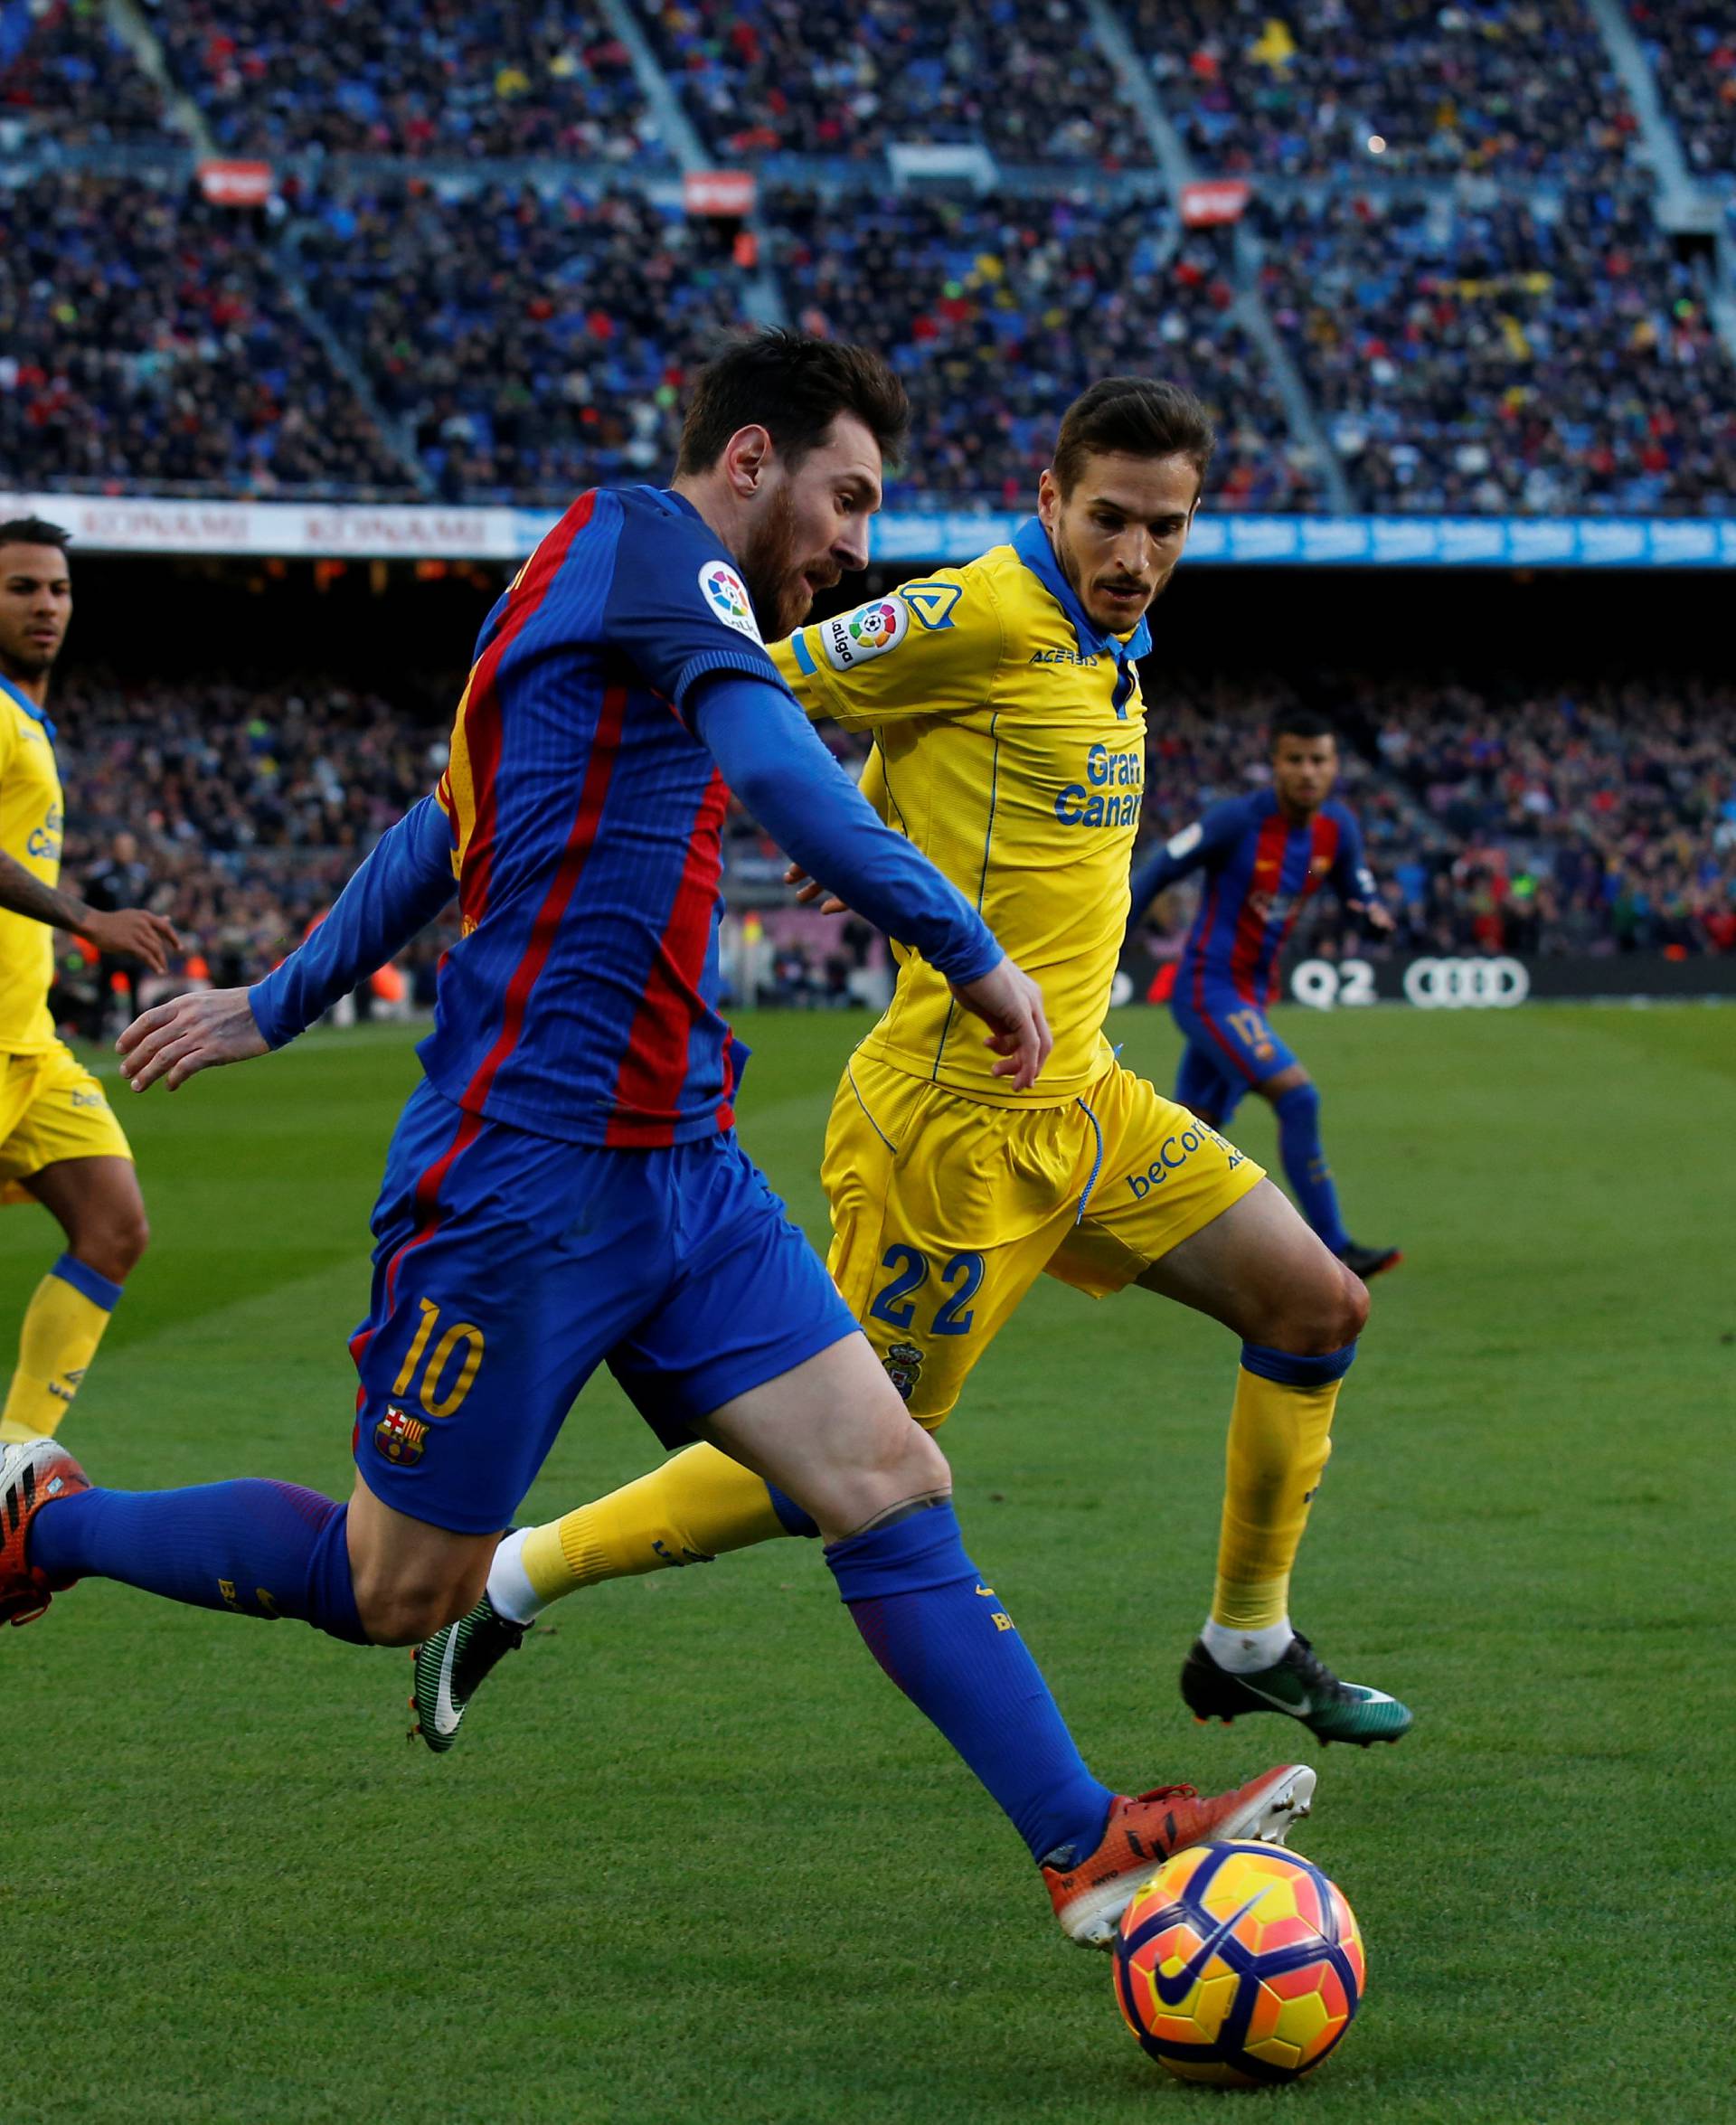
[[31, 1474], [1090, 1894]]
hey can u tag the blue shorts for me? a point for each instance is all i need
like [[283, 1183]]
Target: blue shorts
[[507, 1266], [1231, 1047]]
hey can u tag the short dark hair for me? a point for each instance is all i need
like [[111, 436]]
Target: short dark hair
[[793, 385], [33, 531], [1139, 415], [1303, 722]]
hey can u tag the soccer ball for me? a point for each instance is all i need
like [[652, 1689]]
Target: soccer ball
[[1239, 1964]]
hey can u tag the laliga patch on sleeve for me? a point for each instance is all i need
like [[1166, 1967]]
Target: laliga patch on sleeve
[[871, 631], [1184, 843], [727, 596]]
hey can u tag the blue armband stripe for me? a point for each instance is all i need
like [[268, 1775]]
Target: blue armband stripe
[[799, 650]]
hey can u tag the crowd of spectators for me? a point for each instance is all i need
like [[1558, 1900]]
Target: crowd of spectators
[[450, 77], [65, 72], [1585, 817], [1025, 78], [534, 345], [1490, 358], [1692, 47], [998, 311], [147, 341], [1317, 87], [250, 803], [1579, 817]]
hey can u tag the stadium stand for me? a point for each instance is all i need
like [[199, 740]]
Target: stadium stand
[[535, 343], [1584, 817], [1692, 47], [147, 340], [1494, 357], [66, 75], [415, 78], [998, 311], [1482, 317], [1024, 76], [1514, 87], [1588, 816]]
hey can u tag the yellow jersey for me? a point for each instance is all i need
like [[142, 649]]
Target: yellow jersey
[[1010, 747], [31, 823]]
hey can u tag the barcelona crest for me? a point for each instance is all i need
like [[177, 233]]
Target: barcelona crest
[[400, 1438]]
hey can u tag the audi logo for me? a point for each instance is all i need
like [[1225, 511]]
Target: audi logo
[[1462, 984]]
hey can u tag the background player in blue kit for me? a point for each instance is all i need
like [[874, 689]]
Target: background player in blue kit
[[565, 1188], [1263, 856]]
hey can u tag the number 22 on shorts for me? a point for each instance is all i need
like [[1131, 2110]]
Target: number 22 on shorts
[[962, 1275]]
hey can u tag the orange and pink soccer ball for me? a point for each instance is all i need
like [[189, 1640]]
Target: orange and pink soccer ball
[[1240, 1965]]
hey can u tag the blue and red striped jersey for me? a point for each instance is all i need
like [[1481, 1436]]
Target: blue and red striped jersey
[[1260, 867], [580, 998]]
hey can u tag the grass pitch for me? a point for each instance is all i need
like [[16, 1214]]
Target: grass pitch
[[694, 1861]]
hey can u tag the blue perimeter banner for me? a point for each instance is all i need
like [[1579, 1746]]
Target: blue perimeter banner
[[1367, 542]]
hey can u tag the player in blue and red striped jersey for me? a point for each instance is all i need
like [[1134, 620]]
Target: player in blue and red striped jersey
[[1263, 856], [565, 1188]]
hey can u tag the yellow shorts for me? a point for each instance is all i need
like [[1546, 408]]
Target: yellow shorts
[[51, 1108], [945, 1211]]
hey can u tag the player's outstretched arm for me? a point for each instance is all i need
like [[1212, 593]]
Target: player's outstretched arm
[[1010, 1004], [1172, 860], [189, 1034], [133, 933], [1355, 885], [780, 770], [1006, 999], [400, 888]]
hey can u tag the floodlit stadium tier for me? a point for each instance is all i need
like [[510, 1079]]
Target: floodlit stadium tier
[[1513, 87], [1692, 47], [1024, 77], [997, 312], [536, 344], [150, 343], [67, 75], [1493, 359], [462, 77]]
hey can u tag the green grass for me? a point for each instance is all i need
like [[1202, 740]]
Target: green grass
[[695, 1861]]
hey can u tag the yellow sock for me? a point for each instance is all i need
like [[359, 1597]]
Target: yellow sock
[[1280, 1439], [62, 1326], [698, 1504]]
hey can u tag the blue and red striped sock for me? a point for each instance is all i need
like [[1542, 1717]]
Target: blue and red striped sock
[[253, 1548], [945, 1639]]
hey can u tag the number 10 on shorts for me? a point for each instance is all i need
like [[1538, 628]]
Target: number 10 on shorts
[[466, 1333]]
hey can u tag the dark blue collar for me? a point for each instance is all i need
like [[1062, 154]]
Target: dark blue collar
[[27, 705], [1030, 544]]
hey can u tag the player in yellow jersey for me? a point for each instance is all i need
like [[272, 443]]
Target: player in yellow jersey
[[1005, 701], [60, 1143]]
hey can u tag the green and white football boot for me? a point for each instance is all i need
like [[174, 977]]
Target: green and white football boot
[[1300, 1685], [452, 1668]]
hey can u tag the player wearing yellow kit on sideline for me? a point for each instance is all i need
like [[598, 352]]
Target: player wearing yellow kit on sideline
[[60, 1143], [1009, 728]]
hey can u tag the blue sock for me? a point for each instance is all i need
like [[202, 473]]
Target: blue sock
[[253, 1548], [1305, 1164], [944, 1638]]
